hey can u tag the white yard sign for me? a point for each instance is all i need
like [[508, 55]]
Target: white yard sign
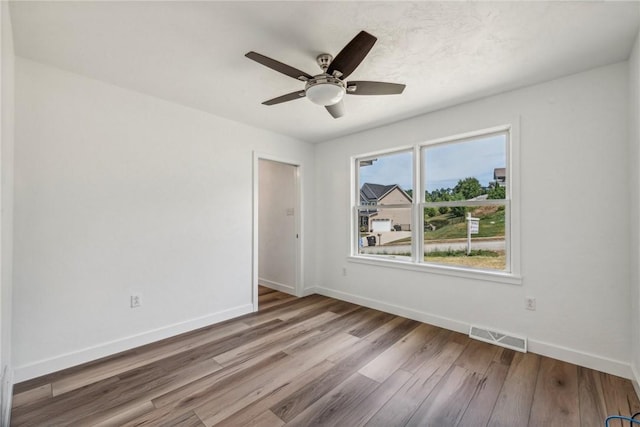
[[473, 227]]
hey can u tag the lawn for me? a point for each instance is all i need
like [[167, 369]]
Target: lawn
[[493, 260], [491, 225]]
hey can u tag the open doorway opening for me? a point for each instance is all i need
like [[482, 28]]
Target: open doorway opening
[[276, 232]]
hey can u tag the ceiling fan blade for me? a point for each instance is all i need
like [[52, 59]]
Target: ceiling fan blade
[[352, 54], [374, 88], [278, 66], [336, 110], [284, 98]]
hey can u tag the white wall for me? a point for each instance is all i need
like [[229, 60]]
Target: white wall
[[118, 192], [634, 164], [574, 224], [277, 225], [6, 203]]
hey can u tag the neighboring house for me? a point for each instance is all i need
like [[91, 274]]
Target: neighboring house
[[381, 219], [500, 176]]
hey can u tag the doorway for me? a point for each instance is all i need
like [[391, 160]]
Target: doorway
[[276, 226]]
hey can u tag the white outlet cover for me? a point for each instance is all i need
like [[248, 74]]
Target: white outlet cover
[[136, 300], [530, 303]]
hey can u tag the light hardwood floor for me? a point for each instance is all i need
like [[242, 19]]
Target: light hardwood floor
[[320, 361]]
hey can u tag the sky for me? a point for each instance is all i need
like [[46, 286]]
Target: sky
[[445, 164]]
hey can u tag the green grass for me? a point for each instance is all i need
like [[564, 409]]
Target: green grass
[[491, 225], [496, 261], [459, 253]]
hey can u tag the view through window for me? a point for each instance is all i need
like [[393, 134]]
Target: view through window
[[464, 215], [464, 209], [385, 205]]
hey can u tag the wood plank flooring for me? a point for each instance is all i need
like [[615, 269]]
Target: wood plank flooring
[[319, 361]]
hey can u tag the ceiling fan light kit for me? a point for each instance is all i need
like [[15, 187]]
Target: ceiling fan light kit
[[325, 90], [329, 87]]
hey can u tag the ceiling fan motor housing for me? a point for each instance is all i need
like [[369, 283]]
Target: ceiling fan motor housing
[[325, 90]]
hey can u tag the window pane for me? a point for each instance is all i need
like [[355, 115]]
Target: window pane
[[386, 179], [385, 231], [445, 236], [469, 170]]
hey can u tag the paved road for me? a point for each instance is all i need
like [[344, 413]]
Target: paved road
[[492, 245]]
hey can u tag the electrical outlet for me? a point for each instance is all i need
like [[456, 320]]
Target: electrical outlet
[[136, 300], [530, 303]]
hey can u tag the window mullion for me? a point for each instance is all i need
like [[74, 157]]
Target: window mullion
[[417, 231], [490, 224]]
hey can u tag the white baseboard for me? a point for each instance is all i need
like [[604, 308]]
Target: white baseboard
[[309, 291], [7, 396], [635, 380], [67, 360], [443, 322], [610, 366], [287, 289], [580, 358]]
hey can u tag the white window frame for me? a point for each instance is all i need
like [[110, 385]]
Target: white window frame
[[357, 206], [511, 202]]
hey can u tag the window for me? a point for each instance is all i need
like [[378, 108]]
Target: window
[[465, 207], [462, 220], [385, 206]]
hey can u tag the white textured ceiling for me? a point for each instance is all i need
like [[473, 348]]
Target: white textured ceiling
[[192, 53]]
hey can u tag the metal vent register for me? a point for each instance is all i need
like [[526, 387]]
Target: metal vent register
[[499, 338]]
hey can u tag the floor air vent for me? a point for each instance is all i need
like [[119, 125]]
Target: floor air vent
[[498, 338]]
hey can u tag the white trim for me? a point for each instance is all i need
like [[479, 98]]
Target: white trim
[[455, 203], [7, 396], [67, 360], [309, 291], [417, 245], [488, 132], [257, 156], [581, 358], [355, 183], [513, 187], [635, 380], [354, 199], [593, 361], [443, 322], [254, 234], [475, 274], [394, 206], [512, 275], [374, 154], [287, 289]]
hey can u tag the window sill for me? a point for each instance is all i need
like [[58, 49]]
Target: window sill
[[489, 276]]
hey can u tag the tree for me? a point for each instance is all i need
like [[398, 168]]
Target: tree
[[496, 191], [430, 212], [468, 188], [459, 210]]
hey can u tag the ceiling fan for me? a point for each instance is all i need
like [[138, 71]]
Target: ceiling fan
[[329, 87]]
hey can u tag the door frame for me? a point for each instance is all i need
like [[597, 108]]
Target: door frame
[[257, 156]]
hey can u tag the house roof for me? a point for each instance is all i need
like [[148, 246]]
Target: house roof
[[374, 192]]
